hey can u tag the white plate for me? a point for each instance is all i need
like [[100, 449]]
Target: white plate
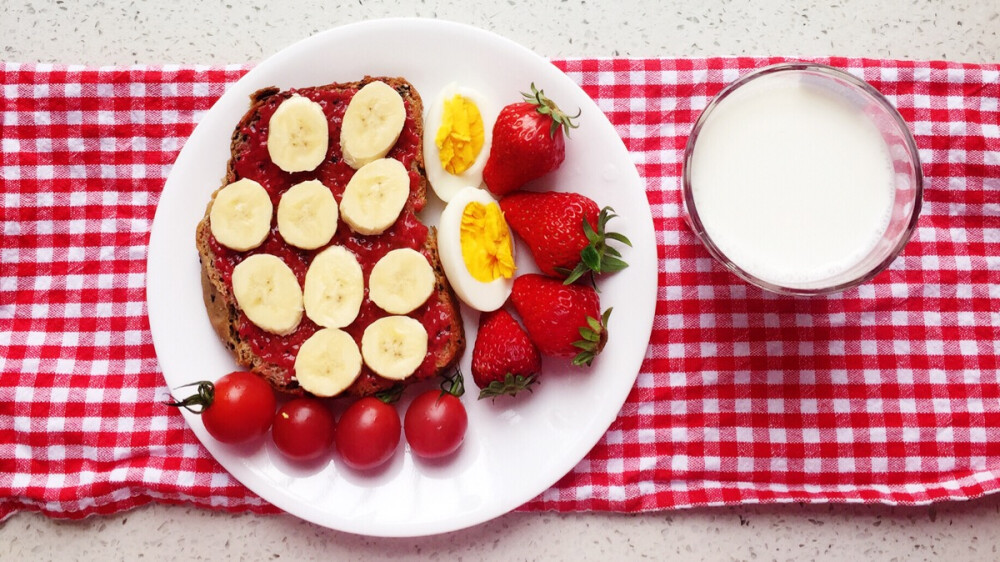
[[514, 449]]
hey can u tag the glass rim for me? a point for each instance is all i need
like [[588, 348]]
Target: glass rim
[[819, 68]]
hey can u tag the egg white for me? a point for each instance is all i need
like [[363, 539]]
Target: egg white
[[481, 296], [444, 183]]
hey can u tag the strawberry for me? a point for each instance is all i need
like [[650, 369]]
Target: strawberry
[[565, 232], [527, 142], [504, 361], [562, 320]]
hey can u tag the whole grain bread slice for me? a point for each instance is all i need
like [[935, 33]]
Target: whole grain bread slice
[[220, 304]]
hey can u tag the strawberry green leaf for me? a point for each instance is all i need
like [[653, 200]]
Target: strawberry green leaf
[[572, 276], [591, 258], [547, 107], [612, 264], [509, 386], [619, 237], [589, 232], [595, 335], [598, 257]]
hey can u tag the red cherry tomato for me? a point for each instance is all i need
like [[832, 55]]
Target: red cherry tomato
[[435, 424], [303, 429], [368, 433], [241, 410]]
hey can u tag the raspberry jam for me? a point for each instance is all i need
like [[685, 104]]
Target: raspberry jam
[[251, 160]]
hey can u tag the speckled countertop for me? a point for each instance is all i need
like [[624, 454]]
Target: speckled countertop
[[217, 31]]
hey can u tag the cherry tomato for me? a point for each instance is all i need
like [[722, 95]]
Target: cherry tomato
[[368, 433], [435, 424], [303, 429], [239, 409]]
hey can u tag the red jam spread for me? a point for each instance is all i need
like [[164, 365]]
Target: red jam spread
[[252, 161]]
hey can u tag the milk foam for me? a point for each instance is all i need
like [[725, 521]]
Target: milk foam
[[792, 183]]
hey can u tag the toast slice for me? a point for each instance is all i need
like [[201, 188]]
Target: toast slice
[[270, 356]]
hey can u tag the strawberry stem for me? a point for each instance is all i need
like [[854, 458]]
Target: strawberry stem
[[545, 106]]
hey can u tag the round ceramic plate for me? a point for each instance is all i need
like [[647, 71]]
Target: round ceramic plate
[[515, 448]]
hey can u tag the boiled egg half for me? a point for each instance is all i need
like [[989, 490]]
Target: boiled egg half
[[457, 139], [477, 249]]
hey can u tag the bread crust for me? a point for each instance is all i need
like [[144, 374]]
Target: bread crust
[[220, 304]]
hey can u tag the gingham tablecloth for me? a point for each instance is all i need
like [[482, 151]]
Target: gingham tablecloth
[[885, 393]]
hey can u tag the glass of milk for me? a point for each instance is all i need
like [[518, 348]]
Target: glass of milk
[[802, 179]]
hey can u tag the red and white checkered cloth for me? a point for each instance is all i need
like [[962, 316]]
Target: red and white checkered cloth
[[885, 393]]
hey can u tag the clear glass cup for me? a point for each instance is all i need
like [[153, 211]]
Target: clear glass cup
[[906, 177]]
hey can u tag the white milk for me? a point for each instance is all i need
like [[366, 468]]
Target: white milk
[[793, 184]]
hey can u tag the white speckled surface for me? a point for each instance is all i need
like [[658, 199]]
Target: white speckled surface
[[217, 31]]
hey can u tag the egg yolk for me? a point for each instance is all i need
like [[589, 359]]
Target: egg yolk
[[460, 137], [486, 244]]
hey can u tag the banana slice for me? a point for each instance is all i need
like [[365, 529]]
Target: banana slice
[[334, 288], [401, 281], [307, 215], [328, 362], [375, 195], [372, 123], [240, 218], [268, 293], [394, 346], [298, 135]]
